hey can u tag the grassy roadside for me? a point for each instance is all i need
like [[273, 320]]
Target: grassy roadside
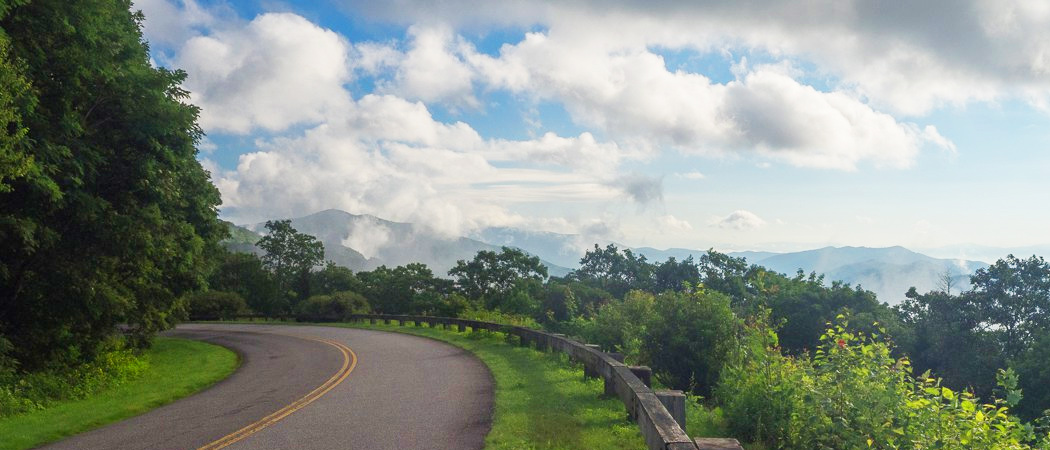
[[542, 401], [177, 368]]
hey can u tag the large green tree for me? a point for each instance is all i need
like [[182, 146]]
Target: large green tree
[[615, 271], [290, 256], [491, 277], [1014, 297], [106, 216]]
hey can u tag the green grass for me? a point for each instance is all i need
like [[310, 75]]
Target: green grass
[[542, 400], [177, 368]]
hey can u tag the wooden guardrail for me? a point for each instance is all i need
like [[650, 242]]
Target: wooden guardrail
[[659, 414]]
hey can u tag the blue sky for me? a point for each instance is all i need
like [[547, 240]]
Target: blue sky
[[741, 125]]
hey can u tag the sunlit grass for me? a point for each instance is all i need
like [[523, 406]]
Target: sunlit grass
[[177, 368], [542, 401]]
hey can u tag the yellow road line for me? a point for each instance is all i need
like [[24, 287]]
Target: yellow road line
[[349, 362]]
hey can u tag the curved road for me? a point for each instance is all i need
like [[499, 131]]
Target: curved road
[[392, 391]]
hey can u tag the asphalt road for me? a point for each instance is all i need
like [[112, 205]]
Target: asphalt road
[[393, 391]]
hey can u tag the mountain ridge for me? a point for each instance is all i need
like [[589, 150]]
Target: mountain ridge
[[364, 242]]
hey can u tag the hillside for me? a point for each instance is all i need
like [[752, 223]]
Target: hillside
[[364, 242]]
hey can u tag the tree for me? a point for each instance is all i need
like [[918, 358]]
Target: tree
[[212, 305], [334, 278], [491, 276], [290, 256], [334, 306], [106, 216], [1014, 295], [403, 288], [244, 274], [672, 275], [688, 338], [944, 335], [615, 271]]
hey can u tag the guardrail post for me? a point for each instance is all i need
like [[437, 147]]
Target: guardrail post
[[674, 401], [372, 320], [717, 444], [587, 371], [462, 328], [643, 373], [418, 322], [386, 321]]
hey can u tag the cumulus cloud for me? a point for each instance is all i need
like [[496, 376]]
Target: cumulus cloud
[[367, 236], [171, 24], [980, 50], [694, 175], [277, 71], [741, 220], [673, 223], [641, 189], [389, 157], [630, 94], [432, 71]]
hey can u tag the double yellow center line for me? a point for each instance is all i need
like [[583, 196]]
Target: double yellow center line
[[349, 362]]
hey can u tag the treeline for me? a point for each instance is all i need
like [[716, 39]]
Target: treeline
[[106, 216], [767, 349]]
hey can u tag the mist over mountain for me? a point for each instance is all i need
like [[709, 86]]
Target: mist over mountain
[[889, 272], [364, 242]]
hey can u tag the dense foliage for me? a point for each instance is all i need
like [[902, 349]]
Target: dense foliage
[[106, 216], [854, 394], [757, 344]]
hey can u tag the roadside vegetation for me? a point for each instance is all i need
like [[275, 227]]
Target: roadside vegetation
[[541, 400], [169, 370], [107, 219], [778, 361], [110, 234]]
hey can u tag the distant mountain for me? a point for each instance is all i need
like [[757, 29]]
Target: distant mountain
[[364, 242], [564, 250], [888, 272]]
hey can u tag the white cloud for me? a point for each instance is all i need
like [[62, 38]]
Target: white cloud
[[170, 24], [431, 71], [673, 223], [641, 189], [388, 157], [367, 236], [630, 94], [694, 175], [979, 50], [277, 71], [741, 220]]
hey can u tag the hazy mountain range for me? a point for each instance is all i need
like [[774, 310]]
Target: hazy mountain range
[[364, 242]]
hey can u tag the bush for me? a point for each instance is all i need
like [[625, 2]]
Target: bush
[[334, 307], [23, 392], [854, 395], [620, 325], [688, 338], [216, 305]]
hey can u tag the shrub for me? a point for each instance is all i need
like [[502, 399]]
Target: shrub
[[212, 305], [688, 338], [337, 306], [853, 394], [620, 324], [22, 392]]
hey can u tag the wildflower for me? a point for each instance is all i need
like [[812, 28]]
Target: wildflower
[[842, 343]]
